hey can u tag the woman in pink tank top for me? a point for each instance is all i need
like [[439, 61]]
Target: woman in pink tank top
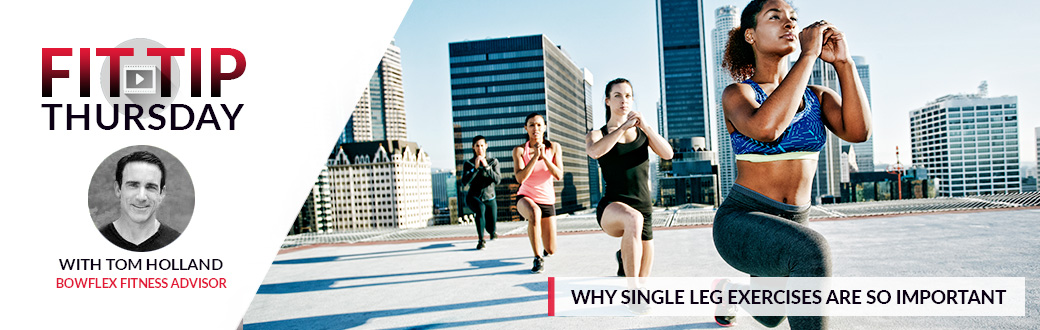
[[535, 167]]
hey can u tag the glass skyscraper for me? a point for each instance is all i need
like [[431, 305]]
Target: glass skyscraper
[[828, 173], [595, 181], [683, 70], [495, 84], [827, 181], [865, 149]]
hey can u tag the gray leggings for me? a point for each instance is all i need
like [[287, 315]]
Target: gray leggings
[[763, 237]]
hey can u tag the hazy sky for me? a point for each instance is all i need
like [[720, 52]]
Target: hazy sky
[[917, 52]]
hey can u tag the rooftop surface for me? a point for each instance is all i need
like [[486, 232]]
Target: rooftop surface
[[683, 216], [427, 279]]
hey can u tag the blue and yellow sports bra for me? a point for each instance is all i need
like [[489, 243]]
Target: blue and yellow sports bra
[[802, 139]]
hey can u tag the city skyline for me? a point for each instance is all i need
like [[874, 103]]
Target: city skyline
[[496, 83], [941, 66]]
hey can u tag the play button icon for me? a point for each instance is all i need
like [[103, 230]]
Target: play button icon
[[139, 79]]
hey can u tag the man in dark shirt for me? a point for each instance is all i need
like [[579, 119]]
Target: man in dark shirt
[[140, 186], [481, 173]]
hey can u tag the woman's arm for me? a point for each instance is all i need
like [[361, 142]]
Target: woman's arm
[[521, 170], [597, 144], [658, 144], [847, 115], [555, 164], [768, 120]]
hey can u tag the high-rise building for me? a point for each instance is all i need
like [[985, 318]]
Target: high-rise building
[[445, 196], [379, 114], [495, 84], [359, 126], [849, 163], [660, 118], [683, 70], [379, 184], [444, 185], [969, 143], [726, 19], [595, 179], [387, 92], [1029, 184], [865, 149], [827, 181], [316, 211]]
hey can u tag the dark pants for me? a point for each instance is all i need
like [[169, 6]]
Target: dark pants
[[766, 238], [486, 212]]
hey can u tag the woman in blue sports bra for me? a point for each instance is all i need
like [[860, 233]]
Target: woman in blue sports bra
[[777, 125]]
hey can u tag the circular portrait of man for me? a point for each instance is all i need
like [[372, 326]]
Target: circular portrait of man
[[141, 198]]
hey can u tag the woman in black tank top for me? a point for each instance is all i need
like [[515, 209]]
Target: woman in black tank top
[[622, 148]]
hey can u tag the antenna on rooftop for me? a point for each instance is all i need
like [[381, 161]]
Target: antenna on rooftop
[[898, 169], [898, 166]]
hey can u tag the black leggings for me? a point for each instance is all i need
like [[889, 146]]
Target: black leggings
[[486, 213], [763, 237]]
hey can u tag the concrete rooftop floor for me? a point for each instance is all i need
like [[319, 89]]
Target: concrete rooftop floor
[[446, 283]]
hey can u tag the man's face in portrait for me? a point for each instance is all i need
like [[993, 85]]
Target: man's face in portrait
[[140, 193]]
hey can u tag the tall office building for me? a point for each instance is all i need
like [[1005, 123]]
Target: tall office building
[[660, 118], [827, 181], [849, 163], [726, 18], [379, 114], [387, 92], [969, 143], [443, 188], [595, 179], [683, 70], [865, 149], [316, 209], [359, 126], [495, 84], [828, 173]]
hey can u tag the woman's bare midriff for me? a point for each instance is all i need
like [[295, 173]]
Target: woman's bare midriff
[[785, 181]]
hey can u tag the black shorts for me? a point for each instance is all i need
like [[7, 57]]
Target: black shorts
[[547, 209], [647, 212]]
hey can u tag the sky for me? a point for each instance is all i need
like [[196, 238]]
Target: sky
[[917, 51]]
